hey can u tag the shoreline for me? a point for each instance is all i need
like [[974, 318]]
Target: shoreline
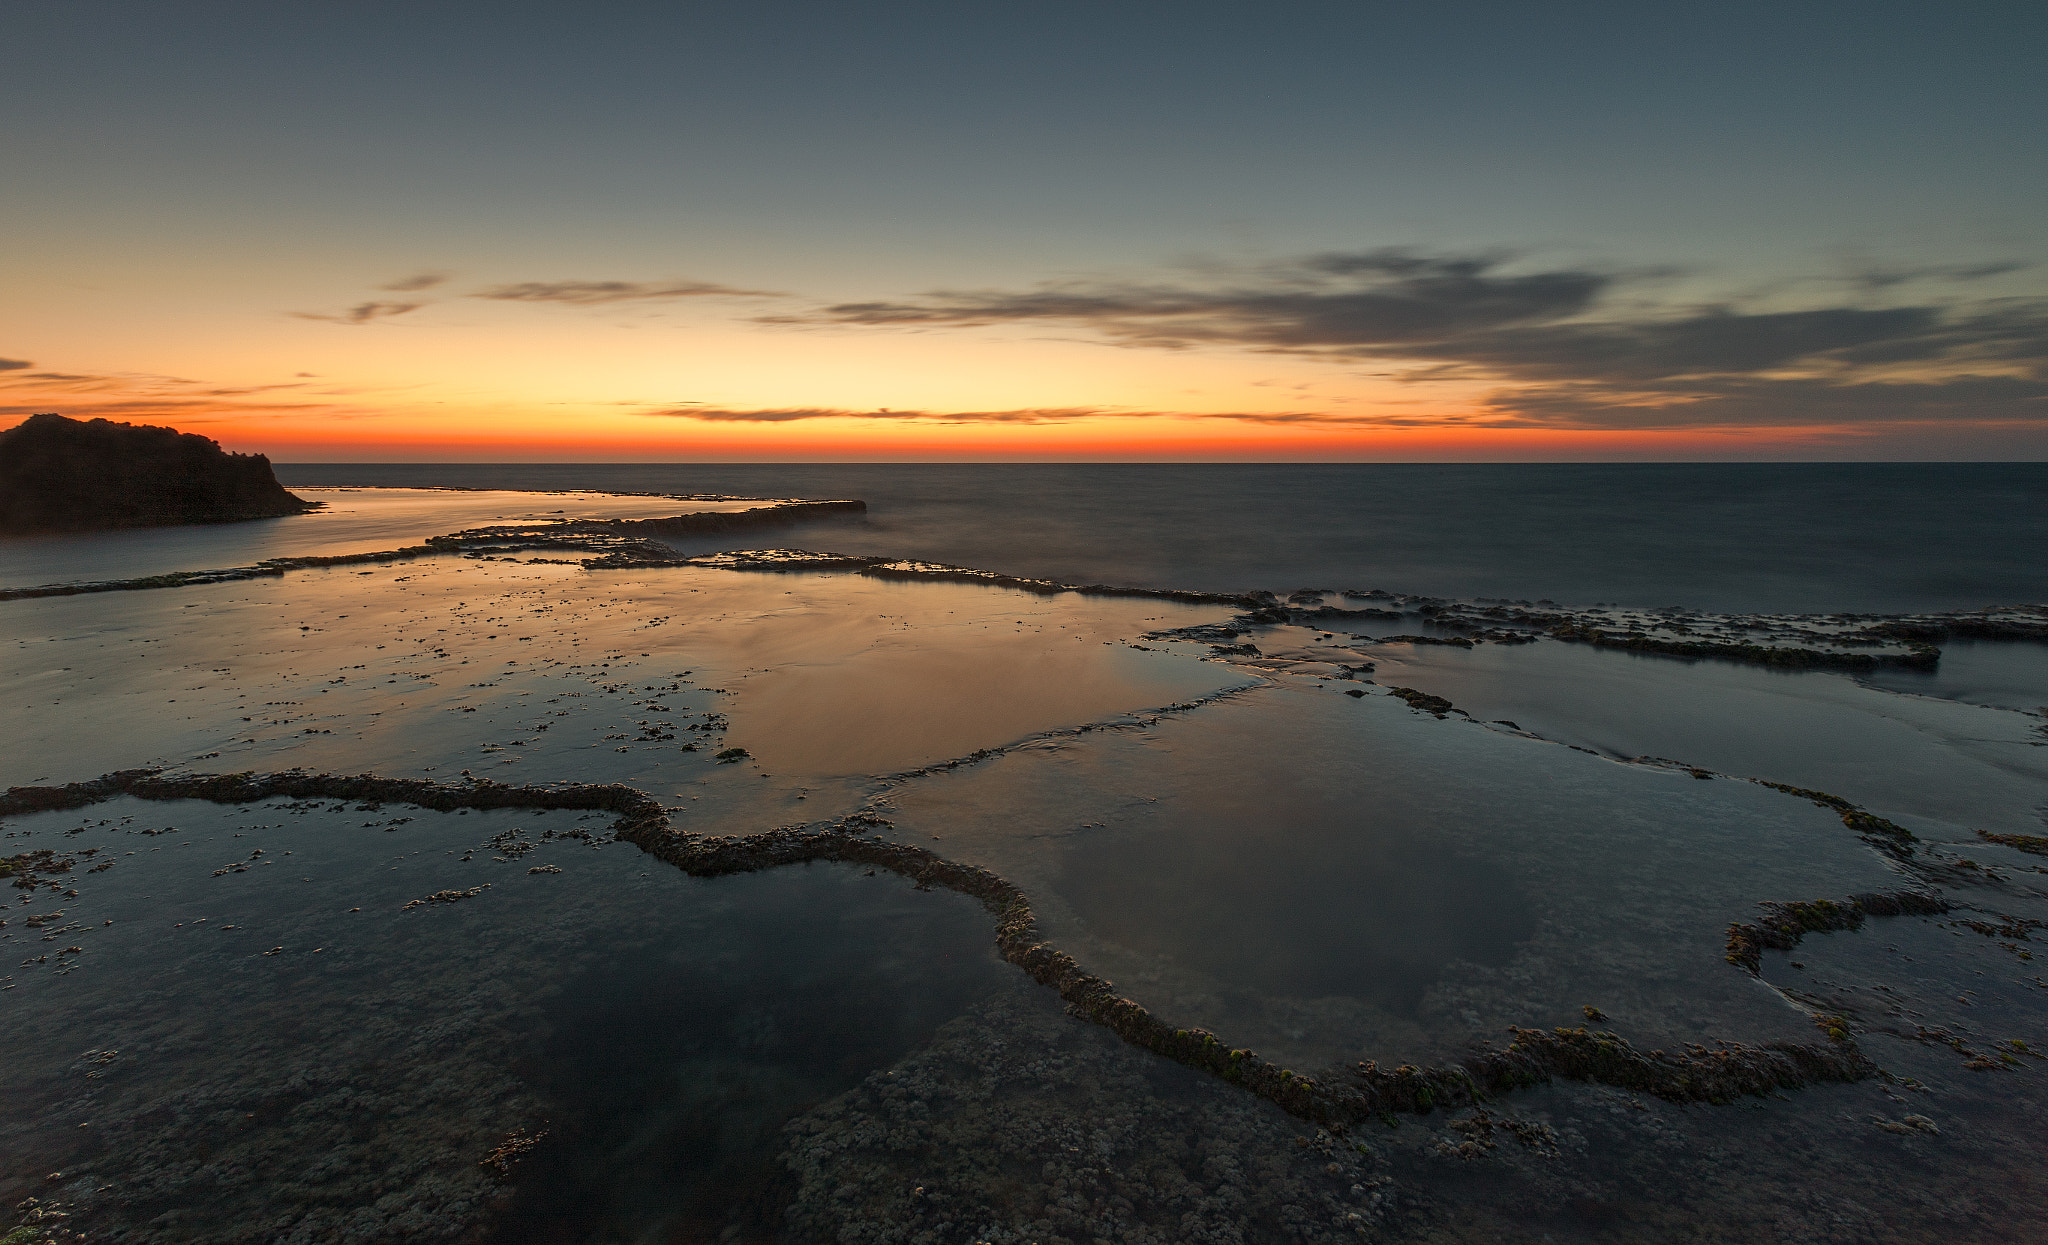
[[1845, 641], [1357, 1096], [1326, 636]]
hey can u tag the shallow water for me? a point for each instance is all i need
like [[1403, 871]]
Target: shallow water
[[1267, 885], [451, 665], [670, 1069], [350, 521], [1330, 879], [1947, 769], [2005, 676], [828, 1053], [296, 1014]]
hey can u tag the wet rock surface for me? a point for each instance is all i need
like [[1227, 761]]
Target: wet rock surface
[[1016, 1124], [320, 1057], [383, 996]]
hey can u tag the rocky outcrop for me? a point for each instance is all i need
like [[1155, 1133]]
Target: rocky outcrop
[[68, 475]]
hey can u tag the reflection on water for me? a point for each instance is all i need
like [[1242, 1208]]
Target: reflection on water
[[533, 673], [847, 675], [1946, 768], [1978, 672], [350, 521], [1327, 878], [1260, 885]]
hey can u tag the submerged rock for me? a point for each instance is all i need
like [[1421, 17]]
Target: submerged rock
[[68, 475]]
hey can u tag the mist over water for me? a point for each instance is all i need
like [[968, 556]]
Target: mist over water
[[1790, 537]]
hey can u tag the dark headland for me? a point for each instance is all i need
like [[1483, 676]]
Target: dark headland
[[69, 475]]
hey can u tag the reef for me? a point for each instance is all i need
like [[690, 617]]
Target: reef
[[1888, 837], [1784, 924], [68, 475], [1791, 642], [2033, 844], [1425, 702], [605, 544], [1795, 642], [1016, 1125], [775, 513], [904, 568], [1361, 1094]]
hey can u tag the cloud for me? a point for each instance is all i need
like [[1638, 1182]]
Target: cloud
[[416, 282], [14, 365], [1876, 277], [1028, 415], [1334, 303], [783, 415], [1722, 403], [597, 293], [361, 313], [1712, 342], [1755, 402], [1561, 344], [132, 395]]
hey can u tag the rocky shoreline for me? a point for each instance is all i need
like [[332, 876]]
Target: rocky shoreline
[[1364, 1093]]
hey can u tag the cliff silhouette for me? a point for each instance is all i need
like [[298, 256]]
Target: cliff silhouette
[[69, 475]]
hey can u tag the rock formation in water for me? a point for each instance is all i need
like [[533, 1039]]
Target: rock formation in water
[[68, 475]]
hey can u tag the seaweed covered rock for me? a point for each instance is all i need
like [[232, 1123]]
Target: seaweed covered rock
[[68, 475]]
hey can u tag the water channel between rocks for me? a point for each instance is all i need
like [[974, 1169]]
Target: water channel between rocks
[[323, 1019]]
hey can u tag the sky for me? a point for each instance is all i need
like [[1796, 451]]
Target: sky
[[349, 230]]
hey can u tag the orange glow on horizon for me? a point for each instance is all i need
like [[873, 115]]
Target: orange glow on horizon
[[1455, 435], [505, 390], [1185, 440]]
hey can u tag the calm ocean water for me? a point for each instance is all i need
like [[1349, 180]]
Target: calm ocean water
[[1806, 537]]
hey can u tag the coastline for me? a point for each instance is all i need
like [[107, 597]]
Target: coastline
[[1286, 653]]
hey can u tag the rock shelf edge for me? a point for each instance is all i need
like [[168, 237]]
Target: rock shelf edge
[[1363, 1093]]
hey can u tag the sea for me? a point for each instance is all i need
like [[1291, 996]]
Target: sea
[[1724, 537]]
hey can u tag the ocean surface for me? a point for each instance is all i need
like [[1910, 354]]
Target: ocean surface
[[1766, 537]]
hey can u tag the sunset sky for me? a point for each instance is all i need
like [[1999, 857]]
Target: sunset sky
[[359, 231]]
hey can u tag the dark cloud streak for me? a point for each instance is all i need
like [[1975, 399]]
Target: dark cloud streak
[[1754, 402], [1333, 303], [417, 282], [1875, 278], [783, 415], [1715, 342], [1033, 415], [598, 293], [1555, 341], [361, 313]]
